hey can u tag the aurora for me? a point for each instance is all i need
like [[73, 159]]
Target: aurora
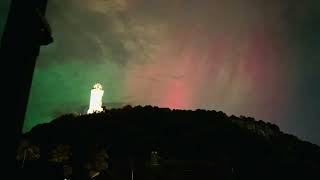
[[242, 57]]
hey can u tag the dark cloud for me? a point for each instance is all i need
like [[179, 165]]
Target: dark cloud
[[83, 35]]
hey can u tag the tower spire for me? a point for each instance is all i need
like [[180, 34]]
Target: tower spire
[[96, 99]]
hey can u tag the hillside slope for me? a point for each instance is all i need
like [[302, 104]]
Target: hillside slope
[[213, 144]]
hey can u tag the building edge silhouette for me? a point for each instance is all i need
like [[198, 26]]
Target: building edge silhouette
[[25, 31]]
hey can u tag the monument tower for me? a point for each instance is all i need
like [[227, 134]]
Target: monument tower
[[96, 99]]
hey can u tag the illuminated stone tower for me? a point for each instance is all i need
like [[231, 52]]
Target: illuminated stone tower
[[96, 99]]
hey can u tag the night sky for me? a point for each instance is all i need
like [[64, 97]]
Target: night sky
[[258, 58]]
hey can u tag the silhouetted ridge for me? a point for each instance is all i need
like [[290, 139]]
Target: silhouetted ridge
[[236, 147]]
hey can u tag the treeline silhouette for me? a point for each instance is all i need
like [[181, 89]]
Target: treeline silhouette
[[192, 144]]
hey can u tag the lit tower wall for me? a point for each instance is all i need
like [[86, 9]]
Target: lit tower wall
[[96, 99]]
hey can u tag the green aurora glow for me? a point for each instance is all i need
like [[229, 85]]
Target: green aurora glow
[[245, 57]]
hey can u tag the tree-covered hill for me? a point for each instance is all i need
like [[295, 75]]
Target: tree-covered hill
[[196, 144]]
